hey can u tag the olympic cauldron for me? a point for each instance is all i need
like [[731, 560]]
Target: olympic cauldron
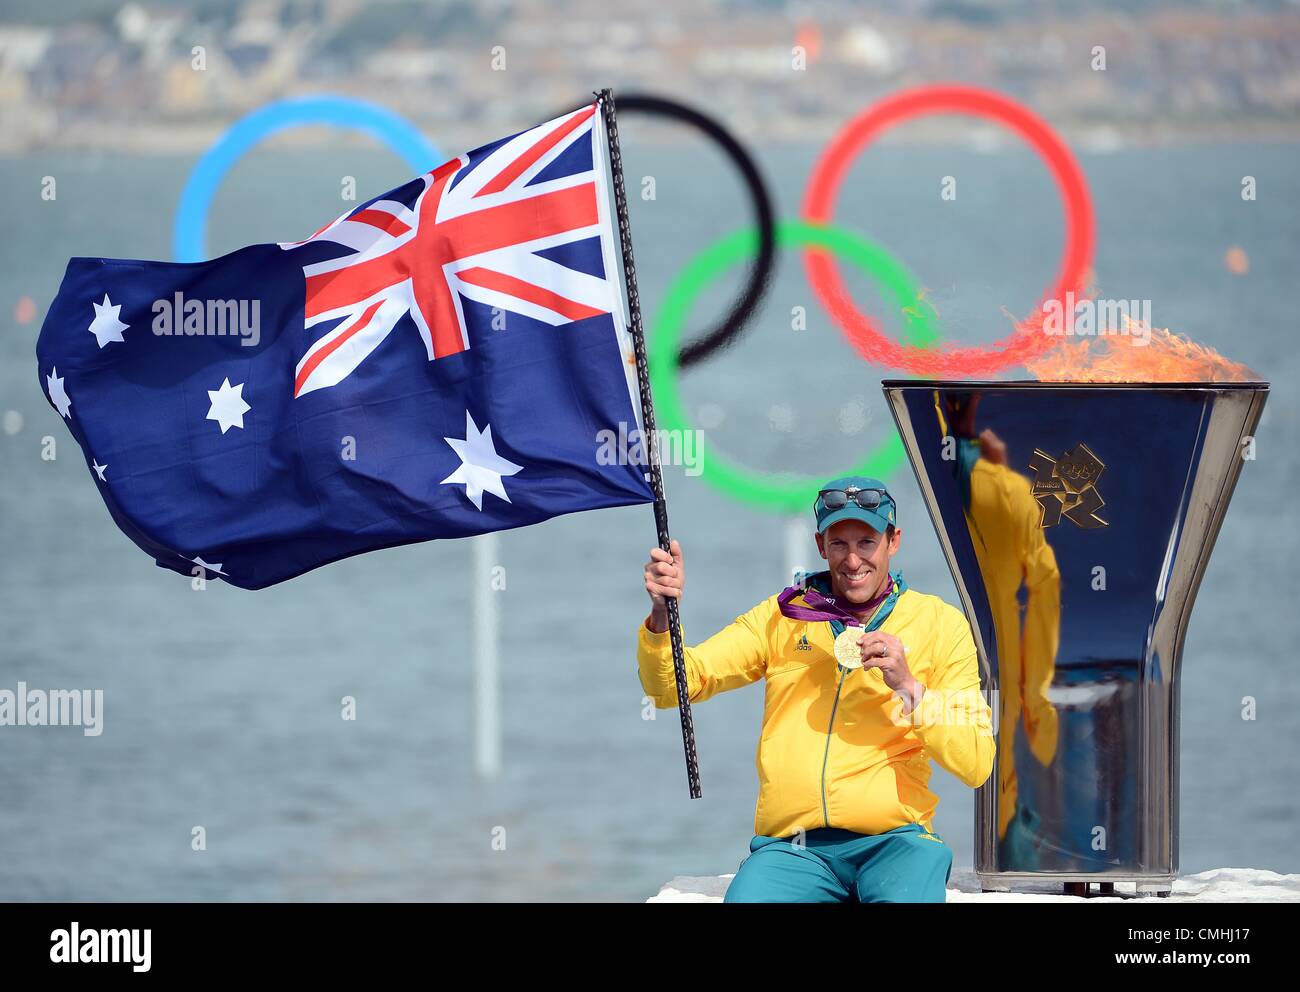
[[1077, 520]]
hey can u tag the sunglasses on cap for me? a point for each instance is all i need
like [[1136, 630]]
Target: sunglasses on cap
[[837, 499]]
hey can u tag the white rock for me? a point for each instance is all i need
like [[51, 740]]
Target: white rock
[[694, 888]]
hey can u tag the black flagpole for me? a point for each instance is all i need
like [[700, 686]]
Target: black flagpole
[[606, 98]]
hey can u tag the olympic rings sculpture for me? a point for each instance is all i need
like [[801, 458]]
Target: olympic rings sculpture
[[815, 234]]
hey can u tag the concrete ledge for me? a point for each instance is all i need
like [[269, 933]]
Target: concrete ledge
[[1217, 885]]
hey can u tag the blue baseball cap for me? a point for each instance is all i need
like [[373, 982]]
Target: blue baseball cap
[[882, 517]]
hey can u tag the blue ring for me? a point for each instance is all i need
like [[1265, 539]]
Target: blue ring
[[189, 231]]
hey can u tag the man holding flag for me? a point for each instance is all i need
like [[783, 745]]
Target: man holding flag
[[866, 680]]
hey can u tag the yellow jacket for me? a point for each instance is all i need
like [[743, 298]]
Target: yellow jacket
[[836, 751], [1011, 549]]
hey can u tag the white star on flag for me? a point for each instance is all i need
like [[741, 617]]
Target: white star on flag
[[228, 406], [106, 326], [481, 468], [99, 469], [58, 396], [207, 567]]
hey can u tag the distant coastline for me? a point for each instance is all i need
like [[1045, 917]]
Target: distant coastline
[[195, 138], [170, 76]]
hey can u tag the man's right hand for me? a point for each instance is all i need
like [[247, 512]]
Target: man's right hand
[[664, 577], [992, 448]]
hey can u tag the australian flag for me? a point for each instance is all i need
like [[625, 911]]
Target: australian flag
[[442, 361]]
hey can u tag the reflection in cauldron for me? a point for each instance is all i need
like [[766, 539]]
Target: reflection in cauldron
[[1015, 560], [1077, 519]]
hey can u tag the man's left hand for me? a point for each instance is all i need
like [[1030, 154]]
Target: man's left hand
[[886, 652]]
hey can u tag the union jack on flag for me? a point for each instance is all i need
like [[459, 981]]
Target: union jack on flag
[[446, 360], [488, 225]]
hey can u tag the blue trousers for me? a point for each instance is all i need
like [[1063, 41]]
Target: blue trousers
[[907, 864]]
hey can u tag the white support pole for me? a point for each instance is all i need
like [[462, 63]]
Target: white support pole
[[487, 682]]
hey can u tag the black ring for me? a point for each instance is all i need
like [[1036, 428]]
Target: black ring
[[760, 269]]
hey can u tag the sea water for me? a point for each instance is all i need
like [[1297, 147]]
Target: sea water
[[226, 769]]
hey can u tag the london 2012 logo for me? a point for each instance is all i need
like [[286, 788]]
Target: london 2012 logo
[[1067, 486]]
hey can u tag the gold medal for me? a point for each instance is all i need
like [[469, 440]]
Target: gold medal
[[847, 651]]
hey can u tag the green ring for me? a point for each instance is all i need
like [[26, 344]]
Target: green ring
[[780, 492]]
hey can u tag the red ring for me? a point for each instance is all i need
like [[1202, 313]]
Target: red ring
[[948, 362]]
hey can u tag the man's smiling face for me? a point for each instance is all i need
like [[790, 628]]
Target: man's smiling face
[[858, 557]]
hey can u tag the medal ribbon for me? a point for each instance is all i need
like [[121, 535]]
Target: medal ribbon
[[820, 606]]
